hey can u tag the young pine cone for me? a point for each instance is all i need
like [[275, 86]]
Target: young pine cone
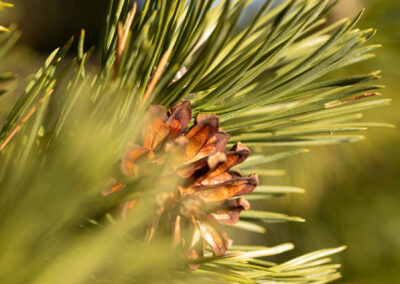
[[204, 196]]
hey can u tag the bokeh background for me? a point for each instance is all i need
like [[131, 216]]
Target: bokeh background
[[353, 191]]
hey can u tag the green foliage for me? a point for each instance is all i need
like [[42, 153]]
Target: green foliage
[[64, 137]]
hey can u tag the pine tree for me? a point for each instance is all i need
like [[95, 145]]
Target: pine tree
[[101, 181]]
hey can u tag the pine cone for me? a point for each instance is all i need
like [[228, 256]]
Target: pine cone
[[203, 198]]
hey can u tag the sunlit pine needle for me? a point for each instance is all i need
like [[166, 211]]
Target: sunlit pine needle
[[24, 120], [157, 75], [123, 34]]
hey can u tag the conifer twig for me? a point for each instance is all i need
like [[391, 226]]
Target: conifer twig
[[24, 120]]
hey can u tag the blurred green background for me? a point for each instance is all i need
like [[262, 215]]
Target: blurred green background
[[353, 191]]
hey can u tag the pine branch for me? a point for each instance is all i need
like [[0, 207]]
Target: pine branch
[[266, 82]]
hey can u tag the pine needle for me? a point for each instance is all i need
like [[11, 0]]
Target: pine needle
[[123, 33], [24, 120], [157, 75]]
